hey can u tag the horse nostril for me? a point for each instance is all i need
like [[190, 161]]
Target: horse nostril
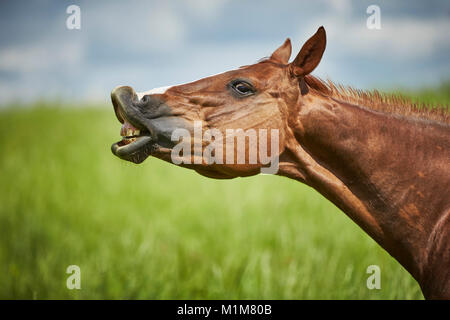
[[149, 102]]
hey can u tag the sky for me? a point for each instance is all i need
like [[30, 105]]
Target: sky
[[148, 44]]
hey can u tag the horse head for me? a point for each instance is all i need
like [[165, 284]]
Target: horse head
[[256, 101]]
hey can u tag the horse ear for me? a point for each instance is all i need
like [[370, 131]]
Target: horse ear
[[283, 53], [310, 54]]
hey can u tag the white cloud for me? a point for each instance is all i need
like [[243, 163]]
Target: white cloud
[[205, 9], [399, 38], [340, 6], [166, 28], [148, 27], [39, 57]]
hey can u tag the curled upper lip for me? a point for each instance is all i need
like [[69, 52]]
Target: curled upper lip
[[123, 99]]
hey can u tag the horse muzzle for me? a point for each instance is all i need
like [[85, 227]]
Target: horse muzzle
[[147, 124]]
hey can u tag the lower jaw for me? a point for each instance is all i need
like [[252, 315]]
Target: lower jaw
[[136, 151]]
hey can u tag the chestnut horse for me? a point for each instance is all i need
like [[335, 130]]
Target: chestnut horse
[[382, 160]]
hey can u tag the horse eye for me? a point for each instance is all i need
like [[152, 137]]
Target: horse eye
[[243, 88]]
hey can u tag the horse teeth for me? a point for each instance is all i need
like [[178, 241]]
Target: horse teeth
[[127, 130], [132, 132]]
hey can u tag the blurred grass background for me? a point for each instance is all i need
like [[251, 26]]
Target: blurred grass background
[[156, 231]]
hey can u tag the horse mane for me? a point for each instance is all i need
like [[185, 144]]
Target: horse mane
[[375, 100]]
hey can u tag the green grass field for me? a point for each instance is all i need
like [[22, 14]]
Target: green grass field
[[156, 231]]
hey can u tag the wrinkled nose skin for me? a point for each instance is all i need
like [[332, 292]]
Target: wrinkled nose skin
[[151, 113]]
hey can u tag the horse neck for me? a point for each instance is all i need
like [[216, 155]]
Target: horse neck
[[381, 170]]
